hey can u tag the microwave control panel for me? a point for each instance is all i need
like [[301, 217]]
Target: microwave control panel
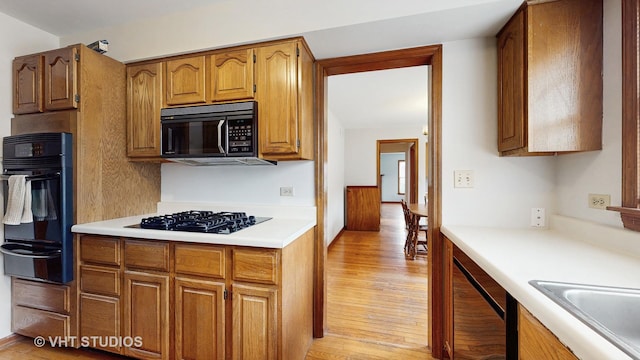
[[241, 136]]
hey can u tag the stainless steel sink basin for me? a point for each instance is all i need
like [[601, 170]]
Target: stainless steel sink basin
[[612, 312]]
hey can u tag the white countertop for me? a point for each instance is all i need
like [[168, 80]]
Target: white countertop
[[284, 227], [571, 251]]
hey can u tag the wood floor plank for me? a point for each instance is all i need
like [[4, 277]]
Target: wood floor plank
[[376, 298]]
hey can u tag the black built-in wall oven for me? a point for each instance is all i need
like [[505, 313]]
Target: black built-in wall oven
[[43, 247]]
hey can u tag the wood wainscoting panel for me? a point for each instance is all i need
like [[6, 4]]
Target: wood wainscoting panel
[[363, 208]]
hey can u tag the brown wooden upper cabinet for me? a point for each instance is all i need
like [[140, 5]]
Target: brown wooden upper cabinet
[[550, 79], [278, 75], [285, 100], [27, 84], [144, 101], [232, 75], [46, 81], [186, 82]]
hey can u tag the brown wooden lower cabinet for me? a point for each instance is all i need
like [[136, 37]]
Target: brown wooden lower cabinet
[[146, 314], [101, 317], [254, 322], [472, 330], [195, 301], [537, 342], [199, 319], [42, 309]]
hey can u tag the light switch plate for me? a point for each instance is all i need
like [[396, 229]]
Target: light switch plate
[[463, 178]]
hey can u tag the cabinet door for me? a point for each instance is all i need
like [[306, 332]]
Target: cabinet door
[[537, 342], [511, 83], [276, 81], [144, 101], [146, 314], [254, 323], [186, 81], [27, 84], [100, 316], [232, 75], [60, 79], [199, 319]]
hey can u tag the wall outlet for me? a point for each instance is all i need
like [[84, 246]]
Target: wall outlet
[[599, 201], [463, 178], [538, 217], [286, 191]]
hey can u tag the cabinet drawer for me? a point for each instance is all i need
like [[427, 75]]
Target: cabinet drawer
[[256, 265], [100, 249], [200, 260], [42, 296], [100, 280], [146, 255], [34, 322], [100, 316]]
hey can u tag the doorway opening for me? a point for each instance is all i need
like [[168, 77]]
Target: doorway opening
[[405, 180], [428, 55]]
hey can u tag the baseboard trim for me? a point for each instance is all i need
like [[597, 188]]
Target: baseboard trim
[[10, 340], [336, 238]]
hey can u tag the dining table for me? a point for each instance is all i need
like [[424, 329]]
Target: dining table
[[419, 209]]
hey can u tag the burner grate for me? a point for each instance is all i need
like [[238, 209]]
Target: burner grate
[[202, 221]]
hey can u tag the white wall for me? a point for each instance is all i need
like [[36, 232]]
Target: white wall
[[505, 188], [361, 153], [335, 178], [389, 167], [16, 38], [240, 184], [598, 172]]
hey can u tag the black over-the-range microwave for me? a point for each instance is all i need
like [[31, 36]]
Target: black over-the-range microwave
[[217, 134]]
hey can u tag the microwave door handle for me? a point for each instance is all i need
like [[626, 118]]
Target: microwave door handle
[[222, 150], [170, 141]]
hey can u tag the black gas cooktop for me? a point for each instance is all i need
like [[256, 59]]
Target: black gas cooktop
[[202, 221]]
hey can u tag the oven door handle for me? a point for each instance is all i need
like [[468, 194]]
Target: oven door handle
[[34, 177], [8, 249]]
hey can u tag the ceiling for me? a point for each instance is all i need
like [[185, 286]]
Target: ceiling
[[381, 99]]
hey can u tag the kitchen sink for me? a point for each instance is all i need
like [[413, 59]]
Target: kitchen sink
[[611, 311]]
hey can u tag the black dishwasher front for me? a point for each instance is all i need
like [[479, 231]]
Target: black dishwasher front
[[484, 314]]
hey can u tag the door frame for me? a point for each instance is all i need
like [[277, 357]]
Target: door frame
[[427, 55], [412, 161]]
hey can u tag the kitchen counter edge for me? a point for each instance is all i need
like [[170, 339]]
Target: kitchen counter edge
[[513, 257], [275, 233]]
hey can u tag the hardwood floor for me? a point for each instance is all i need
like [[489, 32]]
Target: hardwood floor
[[376, 302], [376, 299]]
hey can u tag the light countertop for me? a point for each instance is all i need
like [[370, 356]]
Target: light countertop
[[285, 226], [570, 251]]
